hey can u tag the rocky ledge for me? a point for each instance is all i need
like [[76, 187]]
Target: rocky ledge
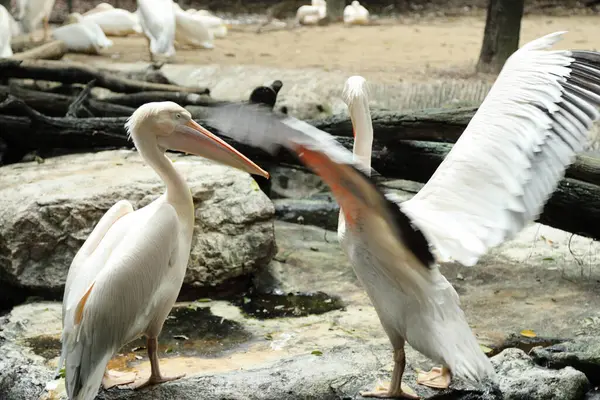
[[280, 342]]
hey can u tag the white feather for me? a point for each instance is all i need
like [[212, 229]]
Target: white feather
[[157, 19], [510, 158], [5, 33]]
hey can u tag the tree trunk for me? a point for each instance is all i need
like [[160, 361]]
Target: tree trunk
[[501, 35], [335, 10]]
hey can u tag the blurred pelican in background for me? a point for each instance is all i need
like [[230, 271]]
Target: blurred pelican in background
[[157, 19], [30, 13]]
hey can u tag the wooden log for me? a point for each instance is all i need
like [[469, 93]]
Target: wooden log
[[21, 43], [54, 50], [81, 73], [435, 125], [57, 105], [184, 99]]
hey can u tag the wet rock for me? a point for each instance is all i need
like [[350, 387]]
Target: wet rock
[[582, 354], [295, 183], [520, 378], [48, 210], [317, 212]]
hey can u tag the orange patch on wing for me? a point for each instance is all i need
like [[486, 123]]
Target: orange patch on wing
[[81, 305], [326, 169]]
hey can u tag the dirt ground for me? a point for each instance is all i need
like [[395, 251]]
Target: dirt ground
[[395, 50]]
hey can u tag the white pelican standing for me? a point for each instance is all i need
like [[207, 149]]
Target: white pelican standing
[[157, 19], [31, 12], [495, 180], [5, 33], [124, 280]]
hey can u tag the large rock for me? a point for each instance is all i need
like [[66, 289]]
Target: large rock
[[47, 211], [580, 353], [520, 378]]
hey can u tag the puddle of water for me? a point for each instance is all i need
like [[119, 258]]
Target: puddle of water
[[47, 346], [189, 331], [523, 343], [277, 304]]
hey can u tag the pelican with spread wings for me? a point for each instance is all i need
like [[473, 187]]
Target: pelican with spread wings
[[495, 180]]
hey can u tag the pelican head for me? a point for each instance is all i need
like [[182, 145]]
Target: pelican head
[[162, 126]]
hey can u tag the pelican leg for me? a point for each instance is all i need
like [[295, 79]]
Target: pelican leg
[[115, 378], [149, 51], [438, 378], [155, 375], [396, 388], [46, 28]]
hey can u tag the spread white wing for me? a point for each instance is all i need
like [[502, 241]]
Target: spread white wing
[[513, 153]]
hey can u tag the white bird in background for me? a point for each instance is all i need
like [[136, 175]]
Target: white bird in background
[[5, 33], [216, 25], [31, 12], [82, 36], [125, 279], [356, 14], [191, 31], [495, 180], [115, 21], [157, 19], [100, 7], [311, 14]]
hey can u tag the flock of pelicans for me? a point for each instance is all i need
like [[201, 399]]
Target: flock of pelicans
[[125, 279], [163, 22]]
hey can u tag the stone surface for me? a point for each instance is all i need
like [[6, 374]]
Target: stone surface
[[519, 378], [47, 210], [318, 212], [272, 358], [295, 183], [582, 353]]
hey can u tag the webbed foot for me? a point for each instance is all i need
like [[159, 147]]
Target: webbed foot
[[438, 378], [384, 392]]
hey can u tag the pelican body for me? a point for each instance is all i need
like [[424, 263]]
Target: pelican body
[[115, 21], [5, 32], [191, 30], [31, 12], [125, 279], [82, 36], [356, 14], [495, 180], [157, 20]]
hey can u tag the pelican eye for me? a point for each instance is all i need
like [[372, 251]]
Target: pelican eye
[[178, 116]]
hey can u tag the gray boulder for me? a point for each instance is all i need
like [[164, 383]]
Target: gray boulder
[[582, 354], [520, 378], [47, 210]]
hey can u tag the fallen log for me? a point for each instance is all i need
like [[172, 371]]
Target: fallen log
[[54, 50], [435, 125], [57, 105], [21, 43], [135, 100], [81, 73]]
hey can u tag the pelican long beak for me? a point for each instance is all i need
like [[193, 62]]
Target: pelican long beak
[[194, 139]]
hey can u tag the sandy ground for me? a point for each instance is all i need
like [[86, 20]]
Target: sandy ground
[[390, 52]]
